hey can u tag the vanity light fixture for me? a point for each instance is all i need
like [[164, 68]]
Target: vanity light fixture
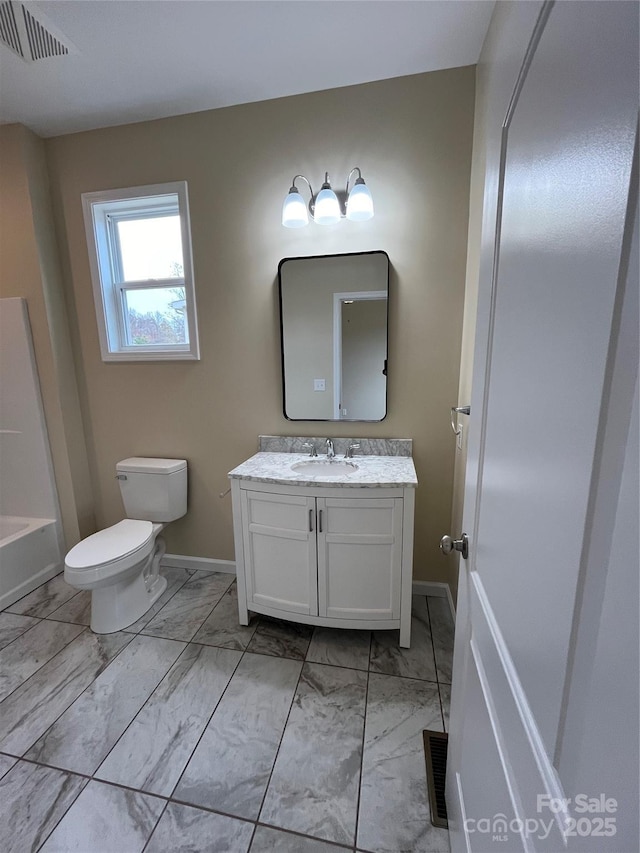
[[325, 207]]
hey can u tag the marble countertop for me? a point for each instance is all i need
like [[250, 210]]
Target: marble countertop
[[372, 471]]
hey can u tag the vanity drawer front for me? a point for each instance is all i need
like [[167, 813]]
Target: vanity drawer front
[[280, 551], [359, 558]]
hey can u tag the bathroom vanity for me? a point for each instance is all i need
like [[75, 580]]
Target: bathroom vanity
[[326, 542]]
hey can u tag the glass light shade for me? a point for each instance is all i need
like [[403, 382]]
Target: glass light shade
[[327, 209], [359, 203], [294, 211]]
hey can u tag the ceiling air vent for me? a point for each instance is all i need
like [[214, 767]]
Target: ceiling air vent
[[9, 28], [29, 34]]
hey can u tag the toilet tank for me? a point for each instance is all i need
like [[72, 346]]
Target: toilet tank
[[153, 489]]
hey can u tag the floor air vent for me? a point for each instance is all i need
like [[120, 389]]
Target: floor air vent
[[30, 34], [435, 753]]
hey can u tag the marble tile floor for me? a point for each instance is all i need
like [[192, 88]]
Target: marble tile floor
[[190, 732]]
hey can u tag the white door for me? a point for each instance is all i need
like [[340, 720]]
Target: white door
[[280, 551], [548, 323], [359, 557]]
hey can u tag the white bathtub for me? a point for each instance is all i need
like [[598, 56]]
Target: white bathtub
[[29, 555]]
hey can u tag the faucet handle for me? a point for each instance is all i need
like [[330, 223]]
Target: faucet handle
[[349, 451], [310, 444]]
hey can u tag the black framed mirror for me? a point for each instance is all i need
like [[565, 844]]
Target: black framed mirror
[[334, 336]]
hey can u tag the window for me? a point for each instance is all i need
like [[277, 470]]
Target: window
[[140, 252]]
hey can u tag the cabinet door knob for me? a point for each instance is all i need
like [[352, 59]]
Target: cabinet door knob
[[310, 521], [320, 522], [447, 545]]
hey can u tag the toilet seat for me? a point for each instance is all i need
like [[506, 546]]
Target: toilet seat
[[109, 552]]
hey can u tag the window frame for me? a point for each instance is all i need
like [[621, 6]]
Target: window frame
[[102, 212]]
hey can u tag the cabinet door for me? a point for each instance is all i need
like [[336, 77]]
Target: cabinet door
[[280, 551], [359, 557]]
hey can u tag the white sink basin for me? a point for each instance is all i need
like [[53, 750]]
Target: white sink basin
[[324, 467]]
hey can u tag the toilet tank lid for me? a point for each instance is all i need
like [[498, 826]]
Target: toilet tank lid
[[149, 465]]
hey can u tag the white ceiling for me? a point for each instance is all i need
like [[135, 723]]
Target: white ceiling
[[146, 59]]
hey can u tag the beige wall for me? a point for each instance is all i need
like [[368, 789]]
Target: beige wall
[[412, 138], [30, 269]]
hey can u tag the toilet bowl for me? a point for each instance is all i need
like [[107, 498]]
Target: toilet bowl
[[121, 564]]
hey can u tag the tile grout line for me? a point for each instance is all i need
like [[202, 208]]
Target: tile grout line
[[133, 635], [206, 726], [289, 831], [13, 613], [253, 835], [92, 777], [26, 630], [186, 583], [155, 826], [433, 647], [83, 630], [284, 728], [158, 683], [440, 680], [206, 619], [178, 589], [364, 734], [297, 834], [168, 801], [135, 717], [175, 592], [62, 816], [68, 601], [435, 660]]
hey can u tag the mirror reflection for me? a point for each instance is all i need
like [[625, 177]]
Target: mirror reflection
[[333, 311]]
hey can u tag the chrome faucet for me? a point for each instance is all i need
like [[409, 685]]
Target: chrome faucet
[[349, 452], [311, 445], [330, 451]]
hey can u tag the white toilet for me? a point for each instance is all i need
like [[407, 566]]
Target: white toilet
[[121, 565]]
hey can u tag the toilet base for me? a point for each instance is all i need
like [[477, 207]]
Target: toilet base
[[117, 606]]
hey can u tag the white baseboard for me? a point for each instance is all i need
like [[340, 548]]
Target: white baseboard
[[199, 564], [437, 589]]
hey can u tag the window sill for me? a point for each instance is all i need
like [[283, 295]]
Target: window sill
[[150, 356]]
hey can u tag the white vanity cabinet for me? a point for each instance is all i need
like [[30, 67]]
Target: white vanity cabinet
[[323, 555]]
